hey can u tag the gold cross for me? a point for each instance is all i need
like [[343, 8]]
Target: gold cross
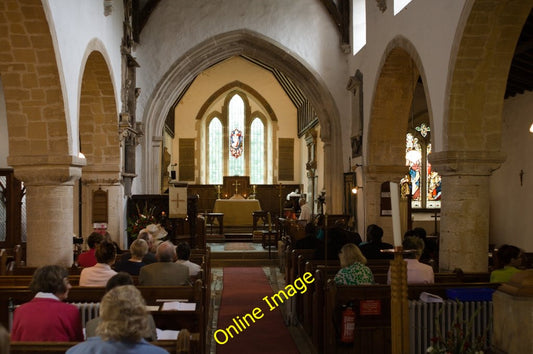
[[236, 184], [177, 200]]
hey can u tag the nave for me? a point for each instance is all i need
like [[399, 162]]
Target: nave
[[291, 336]]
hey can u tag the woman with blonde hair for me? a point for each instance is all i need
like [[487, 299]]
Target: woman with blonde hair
[[353, 271], [138, 249], [123, 325]]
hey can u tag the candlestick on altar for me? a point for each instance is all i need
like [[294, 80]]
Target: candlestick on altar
[[269, 222], [395, 204], [218, 191]]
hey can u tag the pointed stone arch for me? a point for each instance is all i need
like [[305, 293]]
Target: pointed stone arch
[[481, 63], [32, 88], [38, 127], [389, 116], [257, 46], [99, 142], [485, 45]]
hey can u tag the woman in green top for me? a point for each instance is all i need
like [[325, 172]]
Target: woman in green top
[[509, 258], [354, 271]]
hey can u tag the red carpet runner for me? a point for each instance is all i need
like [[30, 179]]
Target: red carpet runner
[[244, 289]]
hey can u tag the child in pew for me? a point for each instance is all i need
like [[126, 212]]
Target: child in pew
[[508, 258], [46, 317], [353, 271], [124, 323], [121, 278], [417, 272]]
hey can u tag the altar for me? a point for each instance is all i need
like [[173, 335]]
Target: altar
[[237, 212]]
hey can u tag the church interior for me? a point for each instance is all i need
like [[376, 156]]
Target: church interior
[[222, 120]]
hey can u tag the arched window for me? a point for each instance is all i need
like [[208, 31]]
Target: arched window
[[215, 161], [257, 152], [236, 141], [425, 183], [236, 137]]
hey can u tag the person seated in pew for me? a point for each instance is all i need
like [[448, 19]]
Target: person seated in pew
[[417, 272], [99, 274], [353, 271], [430, 252], [164, 272], [119, 279], [309, 241], [149, 257], [508, 258], [372, 247], [87, 258], [124, 323], [138, 250], [183, 251], [337, 236], [46, 317]]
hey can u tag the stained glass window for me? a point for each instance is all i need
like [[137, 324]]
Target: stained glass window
[[215, 154], [257, 152], [237, 136], [425, 186], [236, 141]]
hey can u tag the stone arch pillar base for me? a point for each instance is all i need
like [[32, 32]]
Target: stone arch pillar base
[[49, 183], [464, 227]]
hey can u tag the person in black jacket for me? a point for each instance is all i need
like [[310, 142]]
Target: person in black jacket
[[372, 248]]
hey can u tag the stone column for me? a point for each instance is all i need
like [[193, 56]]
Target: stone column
[[464, 225], [49, 182], [110, 182], [374, 176]]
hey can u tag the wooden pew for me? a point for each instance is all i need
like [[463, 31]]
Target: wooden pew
[[372, 330], [194, 321], [172, 346]]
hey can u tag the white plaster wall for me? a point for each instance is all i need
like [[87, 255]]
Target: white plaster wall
[[430, 25], [4, 136], [78, 27], [302, 27], [511, 202]]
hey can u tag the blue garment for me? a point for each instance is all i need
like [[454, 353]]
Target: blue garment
[[95, 345]]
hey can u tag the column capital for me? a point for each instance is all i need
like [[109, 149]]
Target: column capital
[[382, 173], [98, 176], [466, 163], [47, 170]]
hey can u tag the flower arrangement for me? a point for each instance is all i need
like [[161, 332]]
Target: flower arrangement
[[459, 338], [143, 219]]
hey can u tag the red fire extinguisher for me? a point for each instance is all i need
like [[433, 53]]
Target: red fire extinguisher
[[348, 325]]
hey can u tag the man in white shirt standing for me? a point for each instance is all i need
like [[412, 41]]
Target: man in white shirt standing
[[305, 211]]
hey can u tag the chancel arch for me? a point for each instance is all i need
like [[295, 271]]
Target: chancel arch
[[257, 46]]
